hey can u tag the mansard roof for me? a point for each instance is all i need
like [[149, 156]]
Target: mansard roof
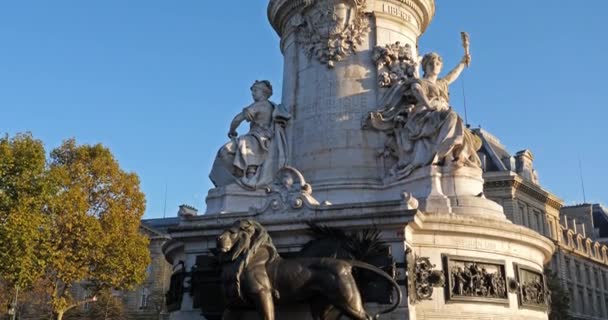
[[497, 155]]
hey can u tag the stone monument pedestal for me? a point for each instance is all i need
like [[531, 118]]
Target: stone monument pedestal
[[233, 198], [437, 189], [195, 237], [506, 256], [513, 253]]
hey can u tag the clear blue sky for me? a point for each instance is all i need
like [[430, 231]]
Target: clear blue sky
[[159, 81]]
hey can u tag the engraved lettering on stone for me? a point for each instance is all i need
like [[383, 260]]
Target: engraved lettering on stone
[[396, 11], [475, 244]]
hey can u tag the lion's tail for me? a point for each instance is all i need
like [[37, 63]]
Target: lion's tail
[[380, 272]]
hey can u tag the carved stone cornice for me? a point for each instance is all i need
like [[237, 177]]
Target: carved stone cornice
[[424, 11], [280, 11], [519, 185]]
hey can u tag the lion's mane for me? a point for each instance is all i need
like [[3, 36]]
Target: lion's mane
[[251, 237]]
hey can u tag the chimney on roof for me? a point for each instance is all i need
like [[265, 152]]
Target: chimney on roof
[[583, 231], [524, 165]]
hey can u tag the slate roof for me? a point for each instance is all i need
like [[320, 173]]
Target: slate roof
[[498, 157]]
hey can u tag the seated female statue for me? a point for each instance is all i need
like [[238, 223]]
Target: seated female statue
[[253, 158], [425, 130]]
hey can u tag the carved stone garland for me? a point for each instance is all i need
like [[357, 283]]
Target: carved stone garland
[[330, 30], [395, 62]]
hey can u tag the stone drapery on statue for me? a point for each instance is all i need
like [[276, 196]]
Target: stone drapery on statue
[[252, 159], [422, 129]]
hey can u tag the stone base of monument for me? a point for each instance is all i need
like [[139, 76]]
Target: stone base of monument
[[233, 198], [437, 189], [491, 269], [195, 237]]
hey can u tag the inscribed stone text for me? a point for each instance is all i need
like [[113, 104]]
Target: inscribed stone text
[[475, 243], [396, 11], [328, 105]]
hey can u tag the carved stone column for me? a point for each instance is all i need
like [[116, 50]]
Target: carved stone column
[[330, 84]]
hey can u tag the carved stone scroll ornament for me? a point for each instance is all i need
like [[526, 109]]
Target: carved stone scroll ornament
[[330, 30], [422, 279], [288, 191]]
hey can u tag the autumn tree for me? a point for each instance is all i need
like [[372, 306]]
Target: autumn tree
[[94, 215], [24, 193]]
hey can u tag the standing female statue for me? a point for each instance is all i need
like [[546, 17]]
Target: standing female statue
[[422, 127]]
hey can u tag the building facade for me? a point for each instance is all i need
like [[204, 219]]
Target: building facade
[[147, 301], [580, 233]]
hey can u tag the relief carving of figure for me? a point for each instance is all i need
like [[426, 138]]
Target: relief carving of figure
[[252, 159], [421, 126]]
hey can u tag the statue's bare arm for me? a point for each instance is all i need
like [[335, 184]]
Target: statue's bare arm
[[455, 73], [420, 95], [235, 124]]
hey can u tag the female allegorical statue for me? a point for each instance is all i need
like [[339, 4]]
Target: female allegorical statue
[[252, 159], [422, 127]]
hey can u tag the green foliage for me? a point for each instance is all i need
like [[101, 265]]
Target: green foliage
[[362, 245], [560, 301], [95, 218], [106, 307], [72, 219], [24, 192]]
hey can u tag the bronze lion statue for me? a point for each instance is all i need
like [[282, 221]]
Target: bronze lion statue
[[253, 274]]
